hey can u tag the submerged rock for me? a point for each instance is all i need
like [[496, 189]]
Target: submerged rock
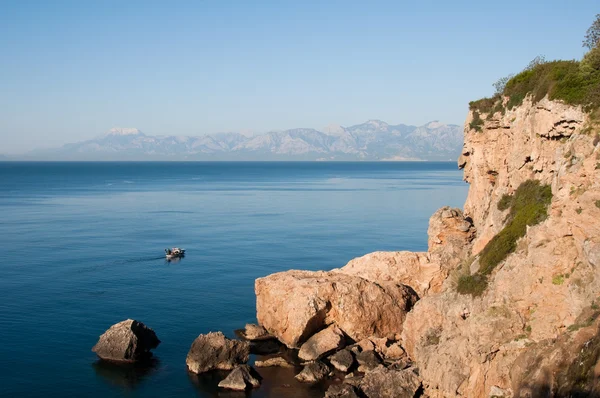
[[322, 343], [126, 341], [241, 378], [275, 361], [313, 372], [214, 351], [385, 383], [293, 305]]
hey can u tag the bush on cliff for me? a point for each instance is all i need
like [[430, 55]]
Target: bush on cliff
[[528, 206], [573, 82]]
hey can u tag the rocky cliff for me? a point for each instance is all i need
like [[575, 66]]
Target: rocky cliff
[[537, 293], [532, 328]]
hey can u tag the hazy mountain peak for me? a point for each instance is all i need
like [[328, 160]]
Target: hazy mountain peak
[[377, 123], [434, 124], [123, 131], [333, 129]]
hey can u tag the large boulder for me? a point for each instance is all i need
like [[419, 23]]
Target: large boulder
[[322, 343], [293, 305], [126, 341], [386, 383], [214, 351], [241, 378]]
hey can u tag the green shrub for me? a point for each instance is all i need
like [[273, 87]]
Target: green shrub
[[505, 202], [528, 207], [484, 105], [598, 204], [474, 285], [477, 122], [558, 279]]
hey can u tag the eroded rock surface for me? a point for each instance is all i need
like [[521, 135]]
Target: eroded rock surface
[[386, 383], [214, 351], [293, 305], [126, 341]]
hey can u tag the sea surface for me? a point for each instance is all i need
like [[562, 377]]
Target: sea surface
[[83, 248]]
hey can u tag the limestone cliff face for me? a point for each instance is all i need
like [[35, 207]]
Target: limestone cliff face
[[467, 346], [535, 329]]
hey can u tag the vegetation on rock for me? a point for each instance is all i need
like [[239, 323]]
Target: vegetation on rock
[[573, 82], [528, 206]]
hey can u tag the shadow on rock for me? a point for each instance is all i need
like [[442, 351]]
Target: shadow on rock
[[125, 375]]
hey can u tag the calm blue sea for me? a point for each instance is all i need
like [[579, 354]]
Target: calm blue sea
[[82, 248]]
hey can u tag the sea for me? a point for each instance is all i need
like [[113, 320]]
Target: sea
[[83, 248]]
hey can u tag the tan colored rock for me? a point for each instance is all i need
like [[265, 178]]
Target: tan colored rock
[[449, 237], [214, 351], [386, 383], [271, 362], [126, 341], [466, 346], [241, 378], [394, 352], [293, 305], [322, 343], [254, 332]]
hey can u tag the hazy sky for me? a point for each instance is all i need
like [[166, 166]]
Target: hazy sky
[[70, 70]]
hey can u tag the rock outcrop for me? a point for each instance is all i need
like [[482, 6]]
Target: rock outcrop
[[294, 305], [529, 323], [468, 346], [214, 351], [126, 341]]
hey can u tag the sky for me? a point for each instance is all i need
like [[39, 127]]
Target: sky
[[71, 70]]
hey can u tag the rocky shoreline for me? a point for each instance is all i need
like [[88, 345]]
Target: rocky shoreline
[[445, 323]]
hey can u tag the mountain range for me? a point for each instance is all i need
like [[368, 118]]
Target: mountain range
[[372, 140]]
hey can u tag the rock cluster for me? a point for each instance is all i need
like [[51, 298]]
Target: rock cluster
[[392, 324]]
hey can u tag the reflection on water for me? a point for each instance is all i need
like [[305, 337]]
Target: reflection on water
[[125, 375]]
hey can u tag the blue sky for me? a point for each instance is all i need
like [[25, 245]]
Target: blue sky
[[71, 70]]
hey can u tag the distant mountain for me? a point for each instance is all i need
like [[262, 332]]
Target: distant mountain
[[372, 140]]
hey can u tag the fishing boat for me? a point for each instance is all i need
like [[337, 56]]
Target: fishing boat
[[174, 252]]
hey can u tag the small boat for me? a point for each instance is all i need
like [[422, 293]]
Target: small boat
[[174, 252]]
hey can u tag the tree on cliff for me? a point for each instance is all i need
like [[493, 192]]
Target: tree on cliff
[[592, 36]]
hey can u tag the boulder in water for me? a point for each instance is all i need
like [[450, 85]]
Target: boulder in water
[[214, 351], [126, 341], [241, 378]]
